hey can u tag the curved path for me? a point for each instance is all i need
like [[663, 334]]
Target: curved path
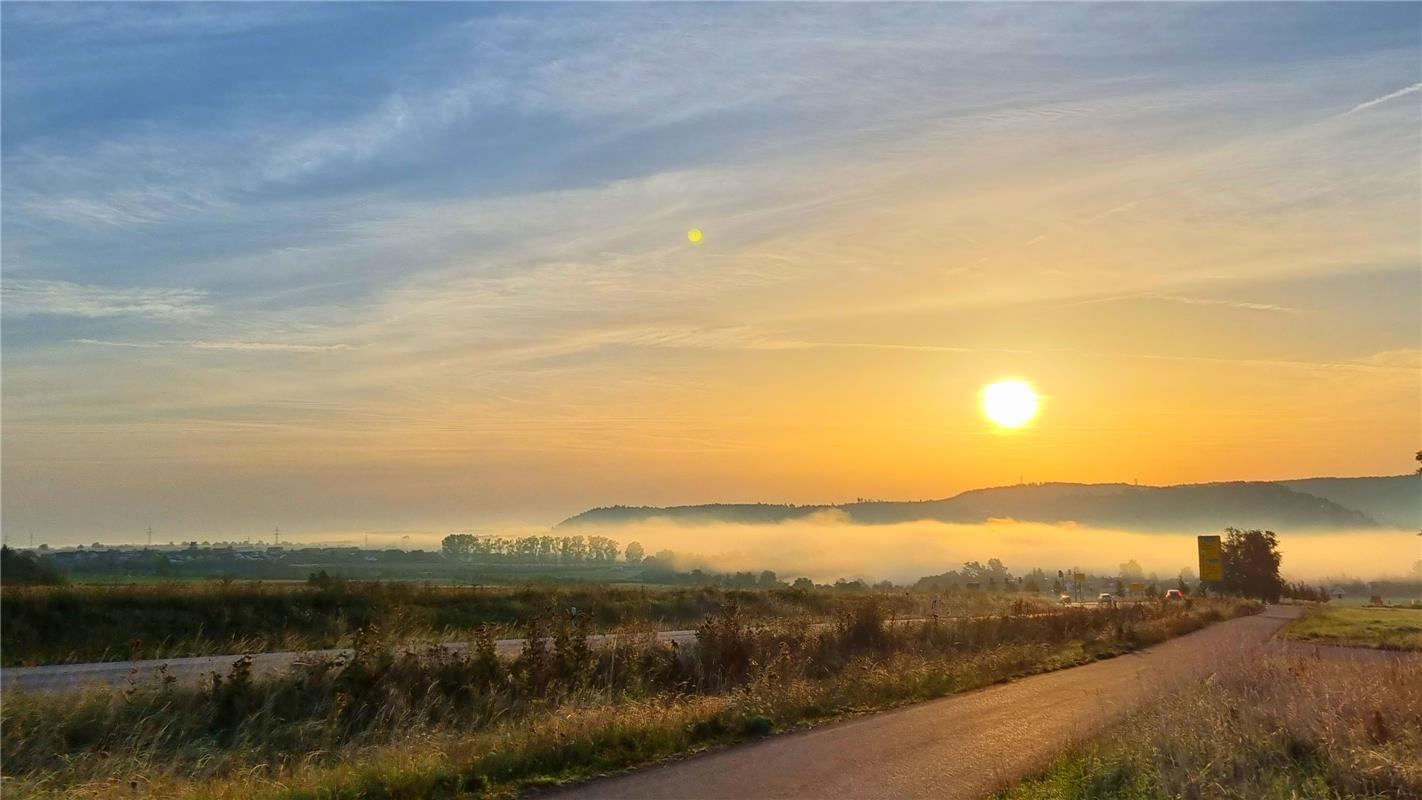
[[963, 746]]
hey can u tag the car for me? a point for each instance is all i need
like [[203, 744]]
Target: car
[[1174, 594], [1066, 599], [1105, 599]]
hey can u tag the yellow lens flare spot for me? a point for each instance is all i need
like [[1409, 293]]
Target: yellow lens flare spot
[[694, 236], [1010, 403]]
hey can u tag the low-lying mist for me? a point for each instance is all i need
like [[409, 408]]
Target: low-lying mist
[[826, 547]]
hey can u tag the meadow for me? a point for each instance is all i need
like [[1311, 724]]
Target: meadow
[[1383, 628], [400, 721], [1284, 727]]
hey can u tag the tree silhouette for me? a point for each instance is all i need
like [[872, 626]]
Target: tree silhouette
[[1251, 564]]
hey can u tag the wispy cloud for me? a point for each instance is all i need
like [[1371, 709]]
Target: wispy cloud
[[120, 209], [263, 347], [114, 343], [247, 347], [1191, 301], [1214, 301], [1376, 101], [27, 297]]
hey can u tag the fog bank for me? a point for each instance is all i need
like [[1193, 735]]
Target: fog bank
[[826, 547]]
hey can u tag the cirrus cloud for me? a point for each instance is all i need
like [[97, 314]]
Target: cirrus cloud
[[29, 297]]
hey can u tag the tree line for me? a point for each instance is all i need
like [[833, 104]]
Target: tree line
[[538, 549]]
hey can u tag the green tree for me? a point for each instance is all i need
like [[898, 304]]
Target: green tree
[[635, 553], [803, 584], [458, 545], [1251, 564], [18, 568]]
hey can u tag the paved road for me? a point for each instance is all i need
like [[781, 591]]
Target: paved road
[[191, 670], [959, 747]]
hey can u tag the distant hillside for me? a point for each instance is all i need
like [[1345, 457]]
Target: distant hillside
[[1280, 506], [740, 513], [1395, 500]]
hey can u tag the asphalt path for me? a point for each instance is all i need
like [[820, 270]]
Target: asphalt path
[[57, 677], [192, 669], [963, 746]]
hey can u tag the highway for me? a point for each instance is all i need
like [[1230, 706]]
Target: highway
[[962, 746]]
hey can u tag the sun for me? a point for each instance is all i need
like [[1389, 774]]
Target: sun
[[1010, 403]]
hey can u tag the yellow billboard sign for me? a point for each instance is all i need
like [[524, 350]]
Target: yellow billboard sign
[[1080, 576], [1211, 559], [1138, 588]]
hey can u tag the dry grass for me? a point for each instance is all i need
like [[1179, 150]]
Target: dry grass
[[430, 723], [1282, 727]]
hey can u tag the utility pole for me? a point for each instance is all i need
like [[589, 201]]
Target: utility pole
[[150, 535], [276, 536]]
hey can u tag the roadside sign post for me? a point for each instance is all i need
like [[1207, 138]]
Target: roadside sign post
[[1211, 560]]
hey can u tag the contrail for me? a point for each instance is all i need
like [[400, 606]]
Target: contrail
[[1416, 87]]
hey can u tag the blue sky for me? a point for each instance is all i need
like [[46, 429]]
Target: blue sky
[[261, 251]]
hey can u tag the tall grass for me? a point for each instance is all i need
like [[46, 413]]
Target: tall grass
[[81, 623], [430, 722], [1282, 727]]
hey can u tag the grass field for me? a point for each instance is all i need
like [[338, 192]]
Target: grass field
[[1285, 728], [1384, 628], [428, 723]]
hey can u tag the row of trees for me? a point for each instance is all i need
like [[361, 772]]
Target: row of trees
[[537, 549], [994, 575], [1251, 564]]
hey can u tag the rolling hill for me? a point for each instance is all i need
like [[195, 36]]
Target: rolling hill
[[1315, 503], [1394, 500]]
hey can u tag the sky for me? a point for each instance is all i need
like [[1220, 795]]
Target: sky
[[348, 267]]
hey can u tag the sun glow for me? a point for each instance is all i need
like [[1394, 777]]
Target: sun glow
[[1010, 403]]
